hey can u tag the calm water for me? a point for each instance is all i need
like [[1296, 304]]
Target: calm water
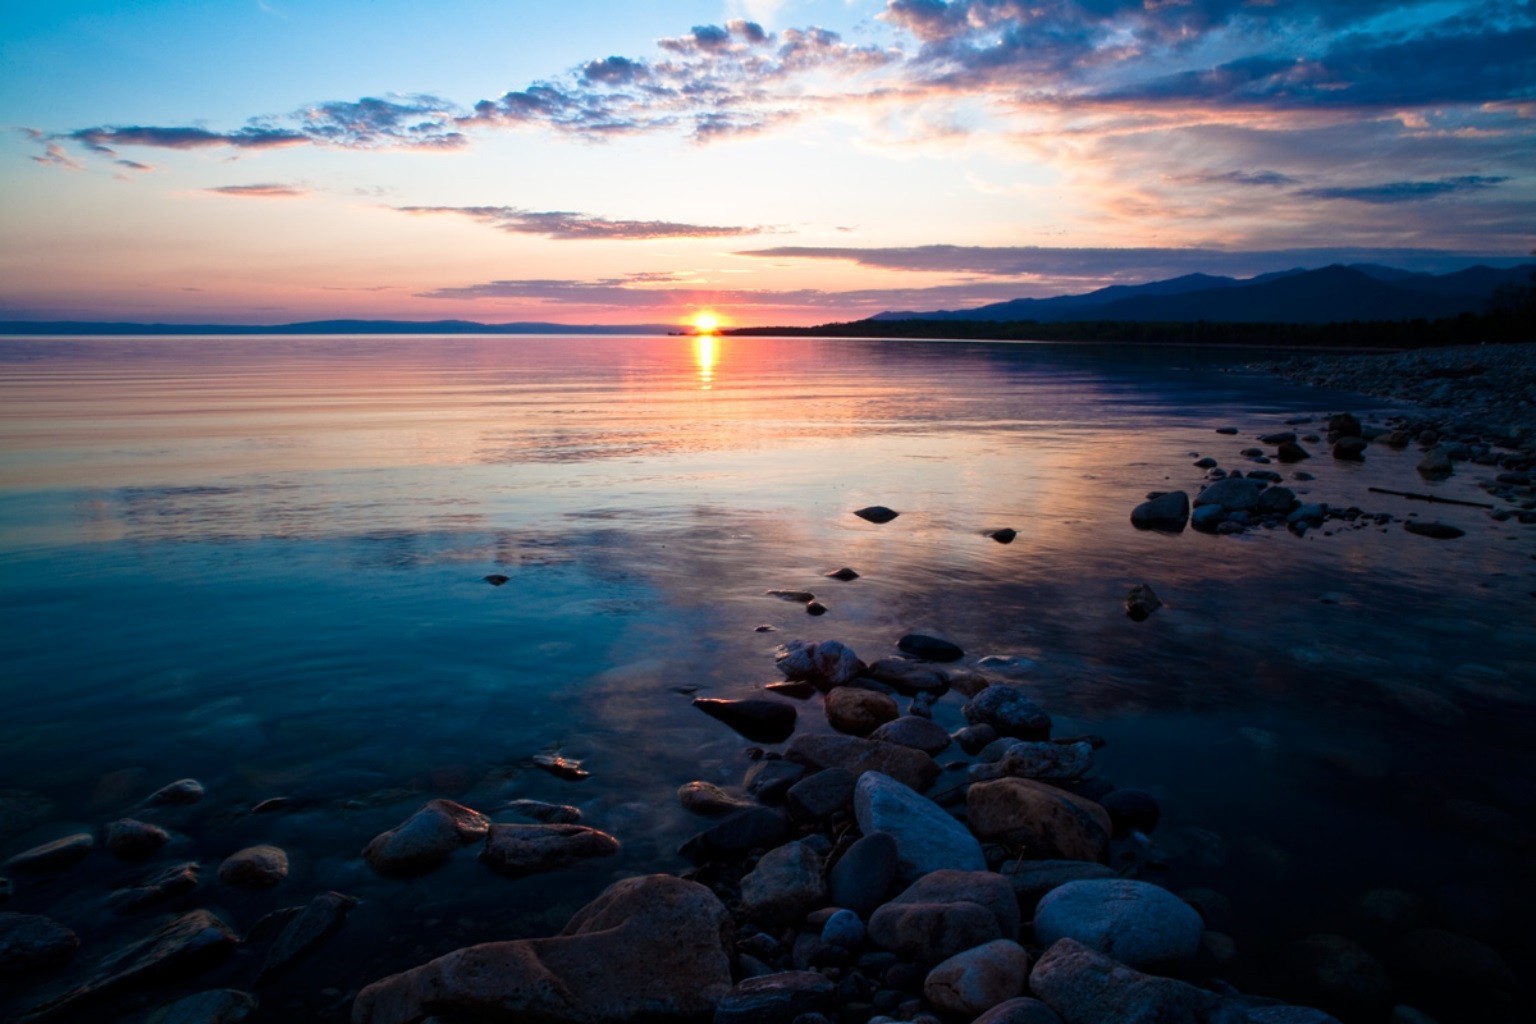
[[260, 562]]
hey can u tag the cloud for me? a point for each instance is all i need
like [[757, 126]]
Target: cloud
[[1405, 191], [266, 191], [582, 226], [54, 155]]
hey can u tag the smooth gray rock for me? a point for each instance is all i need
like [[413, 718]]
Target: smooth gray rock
[[1233, 494], [321, 918], [820, 795], [1009, 710], [1167, 512], [426, 839], [776, 998], [785, 885], [219, 1006], [977, 979], [912, 731], [1086, 987], [1134, 922], [927, 838], [909, 676], [862, 877], [945, 913], [519, 850], [909, 767], [844, 928], [826, 664], [29, 942]]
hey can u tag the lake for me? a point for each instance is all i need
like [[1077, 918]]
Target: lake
[[261, 562]]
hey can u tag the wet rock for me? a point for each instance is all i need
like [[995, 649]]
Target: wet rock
[[1290, 451], [876, 514], [1032, 879], [927, 839], [815, 608], [496, 579], [799, 689], [974, 981], [167, 884], [909, 767], [1233, 494], [944, 913], [912, 731], [1278, 438], [1350, 449], [1229, 431], [820, 795], [1141, 602], [770, 778], [1004, 536], [519, 850], [1046, 822], [929, 648], [219, 1006], [549, 814], [1436, 464], [567, 768], [426, 839], [1136, 923], [1205, 463], [1342, 973], [1167, 512], [650, 947], [843, 928], [1435, 531], [974, 737], [795, 596], [182, 947], [255, 867], [128, 839], [1286, 1015], [859, 712], [738, 833], [845, 574], [1084, 986], [1020, 1011], [1042, 760], [181, 793], [321, 918], [785, 885], [757, 718], [1458, 976], [53, 856], [826, 664], [909, 676], [862, 877], [1131, 810], [1009, 710], [709, 799], [31, 943], [776, 998], [1341, 425]]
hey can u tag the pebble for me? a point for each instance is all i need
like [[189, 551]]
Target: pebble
[[1141, 602]]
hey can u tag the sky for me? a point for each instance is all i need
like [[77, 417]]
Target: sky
[[776, 161]]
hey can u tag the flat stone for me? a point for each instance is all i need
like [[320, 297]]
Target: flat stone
[[1084, 986], [876, 514], [181, 793], [29, 942], [651, 947], [426, 839], [1009, 710], [827, 663], [129, 839], [709, 799], [163, 885], [1233, 494], [862, 877], [219, 1006], [977, 979], [548, 813], [737, 833], [821, 794], [1046, 822], [927, 838], [944, 913], [909, 767], [776, 998], [321, 918], [913, 731], [785, 885], [909, 676], [1134, 922], [759, 719], [859, 712], [519, 850], [930, 648], [255, 867], [567, 768], [1167, 512], [53, 856], [1435, 531]]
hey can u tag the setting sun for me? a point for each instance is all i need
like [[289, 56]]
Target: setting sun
[[706, 322]]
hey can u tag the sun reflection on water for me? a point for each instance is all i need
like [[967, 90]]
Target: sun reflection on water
[[706, 354]]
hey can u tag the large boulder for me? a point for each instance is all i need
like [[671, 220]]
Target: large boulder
[[909, 767], [426, 839], [1167, 512], [785, 885], [527, 849], [927, 838], [1087, 987], [1048, 823], [652, 948], [978, 979], [945, 913], [1009, 710], [1134, 922]]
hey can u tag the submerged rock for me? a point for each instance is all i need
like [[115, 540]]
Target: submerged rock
[[757, 718], [318, 921], [567, 768], [219, 1006], [1435, 531], [1141, 602], [929, 648], [181, 793], [651, 947], [426, 839], [166, 884], [129, 839], [30, 943], [826, 664], [548, 813], [53, 856], [1167, 512], [845, 574], [528, 849], [255, 867]]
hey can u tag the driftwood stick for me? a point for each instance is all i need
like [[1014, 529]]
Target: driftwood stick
[[1429, 497]]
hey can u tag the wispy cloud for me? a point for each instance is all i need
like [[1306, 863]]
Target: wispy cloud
[[1405, 191], [581, 226], [265, 191]]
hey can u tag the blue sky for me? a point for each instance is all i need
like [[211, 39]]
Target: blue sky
[[783, 162]]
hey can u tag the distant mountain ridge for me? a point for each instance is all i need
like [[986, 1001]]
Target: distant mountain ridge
[[1327, 295], [65, 328]]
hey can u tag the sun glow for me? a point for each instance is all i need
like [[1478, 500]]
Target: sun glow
[[706, 322]]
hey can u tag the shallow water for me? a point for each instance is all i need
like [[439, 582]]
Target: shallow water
[[260, 562]]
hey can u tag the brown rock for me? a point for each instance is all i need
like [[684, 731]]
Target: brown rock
[[944, 913], [910, 767], [133, 840], [528, 849], [1045, 821], [426, 839], [255, 867], [859, 712]]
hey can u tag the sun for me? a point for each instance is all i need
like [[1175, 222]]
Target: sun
[[706, 322]]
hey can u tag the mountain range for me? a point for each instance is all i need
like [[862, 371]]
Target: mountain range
[[1333, 294]]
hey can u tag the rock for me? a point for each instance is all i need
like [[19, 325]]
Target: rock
[[929, 648], [519, 850], [184, 946], [1086, 987], [909, 767], [820, 795], [1290, 451], [255, 867], [1343, 973], [776, 998], [1278, 438], [1141, 602], [1136, 923], [927, 839], [181, 793], [815, 608], [30, 943], [1208, 518], [845, 574], [770, 778], [1131, 810], [709, 799], [877, 514], [974, 981], [567, 768], [1287, 1015], [321, 918], [844, 928], [53, 856], [1350, 449], [1205, 463], [128, 839], [1436, 464], [912, 731], [220, 1006], [1167, 512], [166, 884], [862, 877], [858, 711], [1435, 531], [1313, 514], [1004, 536], [738, 833], [426, 839], [1408, 1015], [794, 596], [974, 737], [757, 718], [1343, 425], [651, 947], [826, 664], [1233, 494], [1009, 710], [785, 885], [1020, 1011], [796, 688], [1032, 879], [909, 677], [549, 814], [1048, 823], [1458, 976], [1226, 430], [496, 579], [944, 913], [1043, 760]]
